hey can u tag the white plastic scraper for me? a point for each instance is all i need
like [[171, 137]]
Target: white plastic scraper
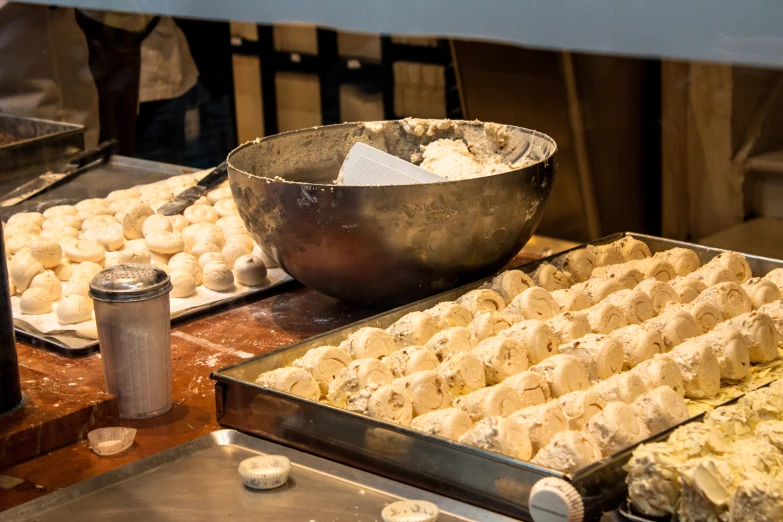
[[366, 165]]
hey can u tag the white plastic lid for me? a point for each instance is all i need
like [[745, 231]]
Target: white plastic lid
[[555, 500], [265, 471], [410, 511]]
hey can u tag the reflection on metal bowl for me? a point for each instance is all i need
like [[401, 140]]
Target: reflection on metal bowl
[[390, 244]]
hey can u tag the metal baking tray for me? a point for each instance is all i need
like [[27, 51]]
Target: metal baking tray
[[198, 480], [119, 173], [38, 142], [487, 479]]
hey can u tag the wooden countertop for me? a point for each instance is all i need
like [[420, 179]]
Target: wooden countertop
[[198, 348]]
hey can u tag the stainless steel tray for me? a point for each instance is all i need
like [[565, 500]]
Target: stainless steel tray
[[119, 173], [39, 142], [487, 479], [198, 480]]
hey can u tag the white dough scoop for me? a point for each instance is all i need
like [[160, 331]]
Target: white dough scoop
[[366, 165]]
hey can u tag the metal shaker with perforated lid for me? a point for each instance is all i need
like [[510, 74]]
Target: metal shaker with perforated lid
[[133, 318]]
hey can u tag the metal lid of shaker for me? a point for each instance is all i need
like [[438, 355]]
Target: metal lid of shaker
[[129, 282]]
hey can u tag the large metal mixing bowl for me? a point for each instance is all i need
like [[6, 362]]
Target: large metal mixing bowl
[[388, 244]]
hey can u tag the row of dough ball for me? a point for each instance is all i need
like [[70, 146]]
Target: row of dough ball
[[727, 467], [671, 376], [123, 228]]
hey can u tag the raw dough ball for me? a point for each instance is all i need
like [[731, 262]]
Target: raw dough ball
[[121, 206], [60, 210], [64, 270], [161, 265], [164, 242], [156, 223], [14, 244], [137, 245], [183, 283], [57, 234], [35, 301], [131, 256], [208, 257], [134, 219], [228, 222], [23, 271], [218, 276], [74, 308], [200, 249], [209, 233], [86, 270], [48, 253], [49, 282], [219, 193], [87, 204], [110, 238], [100, 221], [265, 258], [130, 193], [62, 221], [84, 250], [242, 237], [226, 207], [178, 222], [186, 263], [233, 251], [76, 286], [250, 271], [201, 214], [22, 228], [35, 218]]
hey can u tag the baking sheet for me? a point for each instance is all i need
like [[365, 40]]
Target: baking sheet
[[119, 173], [39, 142], [499, 483], [199, 481]]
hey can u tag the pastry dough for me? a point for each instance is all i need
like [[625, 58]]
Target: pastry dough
[[427, 390], [699, 367], [291, 380], [616, 427], [60, 210], [735, 262], [488, 324], [687, 288], [637, 306], [776, 276], [626, 274], [531, 388], [712, 275], [500, 435], [21, 218], [208, 257], [580, 406], [450, 314], [533, 303], [639, 344], [563, 373], [675, 326], [110, 238], [661, 294], [732, 351], [201, 214], [607, 254], [86, 270], [234, 250], [183, 284], [568, 452], [324, 364], [23, 270], [410, 360], [355, 376], [482, 301], [492, 401], [511, 283], [578, 264], [450, 423], [163, 242], [758, 498], [35, 301], [413, 329], [74, 308], [226, 207], [542, 422], [632, 248], [463, 373], [597, 290], [121, 257], [571, 300], [733, 421], [761, 291], [182, 261], [369, 342], [49, 282], [99, 221], [84, 250], [451, 340], [76, 286], [623, 387], [548, 277], [502, 357], [569, 326], [218, 276], [730, 299], [758, 331], [661, 370], [249, 271], [601, 355], [683, 260], [57, 234], [654, 487], [655, 268], [536, 337], [604, 318], [48, 253], [706, 314]]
